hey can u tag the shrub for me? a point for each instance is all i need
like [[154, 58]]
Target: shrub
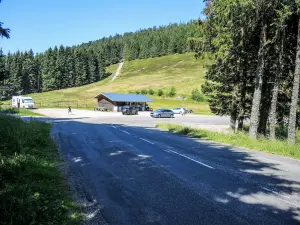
[[172, 92], [196, 95], [151, 92], [160, 92], [137, 92], [144, 92]]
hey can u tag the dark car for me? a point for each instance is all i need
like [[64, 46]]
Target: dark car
[[129, 110], [162, 113]]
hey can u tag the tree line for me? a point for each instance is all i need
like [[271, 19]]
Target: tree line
[[57, 68], [255, 46], [63, 67]]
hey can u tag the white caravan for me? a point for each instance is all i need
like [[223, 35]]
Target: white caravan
[[25, 102]]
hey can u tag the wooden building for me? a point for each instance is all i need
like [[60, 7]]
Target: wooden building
[[115, 101]]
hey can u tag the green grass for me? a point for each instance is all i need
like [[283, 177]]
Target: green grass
[[278, 147], [21, 112], [181, 71], [32, 189]]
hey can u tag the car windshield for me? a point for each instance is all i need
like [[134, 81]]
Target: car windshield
[[28, 101], [159, 110]]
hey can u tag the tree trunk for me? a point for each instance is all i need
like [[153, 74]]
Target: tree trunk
[[254, 119], [242, 82], [273, 114], [234, 110], [273, 110], [233, 118], [233, 115], [264, 114], [295, 95]]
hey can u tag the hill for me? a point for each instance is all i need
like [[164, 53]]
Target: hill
[[181, 71]]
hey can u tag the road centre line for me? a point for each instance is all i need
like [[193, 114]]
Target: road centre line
[[125, 132], [147, 141], [184, 156]]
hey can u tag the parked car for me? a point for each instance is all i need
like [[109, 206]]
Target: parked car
[[162, 113], [179, 110], [129, 110]]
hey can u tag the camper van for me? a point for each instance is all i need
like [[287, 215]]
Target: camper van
[[25, 102]]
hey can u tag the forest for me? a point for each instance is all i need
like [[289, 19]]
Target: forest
[[255, 47], [71, 66]]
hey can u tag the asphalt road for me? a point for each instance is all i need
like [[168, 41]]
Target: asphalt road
[[127, 174]]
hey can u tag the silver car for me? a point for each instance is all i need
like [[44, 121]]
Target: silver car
[[179, 111], [162, 113]]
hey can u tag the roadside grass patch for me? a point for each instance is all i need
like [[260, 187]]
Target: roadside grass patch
[[22, 112], [32, 189], [279, 147]]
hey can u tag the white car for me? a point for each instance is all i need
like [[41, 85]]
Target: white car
[[179, 110]]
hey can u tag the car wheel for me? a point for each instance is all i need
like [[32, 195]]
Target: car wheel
[[172, 116], [159, 116]]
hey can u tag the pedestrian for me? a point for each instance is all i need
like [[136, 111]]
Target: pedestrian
[[69, 110]]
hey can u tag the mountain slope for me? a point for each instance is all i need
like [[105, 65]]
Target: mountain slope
[[181, 71]]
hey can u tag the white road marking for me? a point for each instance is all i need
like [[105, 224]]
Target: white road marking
[[266, 189], [184, 156], [125, 132], [147, 141], [280, 197]]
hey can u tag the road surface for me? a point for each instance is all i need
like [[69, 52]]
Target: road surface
[[127, 174]]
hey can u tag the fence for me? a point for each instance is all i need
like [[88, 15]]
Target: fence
[[58, 104], [64, 104]]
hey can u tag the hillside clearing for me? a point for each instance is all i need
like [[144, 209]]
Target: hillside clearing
[[181, 71]]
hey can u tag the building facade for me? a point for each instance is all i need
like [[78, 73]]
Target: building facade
[[114, 101]]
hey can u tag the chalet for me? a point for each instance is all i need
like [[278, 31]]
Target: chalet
[[115, 101]]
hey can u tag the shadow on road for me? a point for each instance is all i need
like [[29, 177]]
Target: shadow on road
[[120, 179]]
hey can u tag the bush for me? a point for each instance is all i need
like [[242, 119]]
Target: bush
[[144, 92], [196, 95], [172, 92], [160, 92], [151, 92], [137, 92]]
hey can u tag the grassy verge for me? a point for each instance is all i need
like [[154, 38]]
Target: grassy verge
[[278, 147], [32, 189], [22, 112]]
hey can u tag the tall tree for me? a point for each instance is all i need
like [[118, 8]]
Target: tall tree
[[279, 39], [256, 103], [295, 92]]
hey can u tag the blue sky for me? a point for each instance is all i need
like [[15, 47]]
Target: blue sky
[[39, 24]]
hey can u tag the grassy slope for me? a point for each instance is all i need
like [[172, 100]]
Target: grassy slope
[[183, 72], [279, 147], [32, 189]]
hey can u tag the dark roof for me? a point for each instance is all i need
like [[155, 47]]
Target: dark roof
[[126, 97]]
